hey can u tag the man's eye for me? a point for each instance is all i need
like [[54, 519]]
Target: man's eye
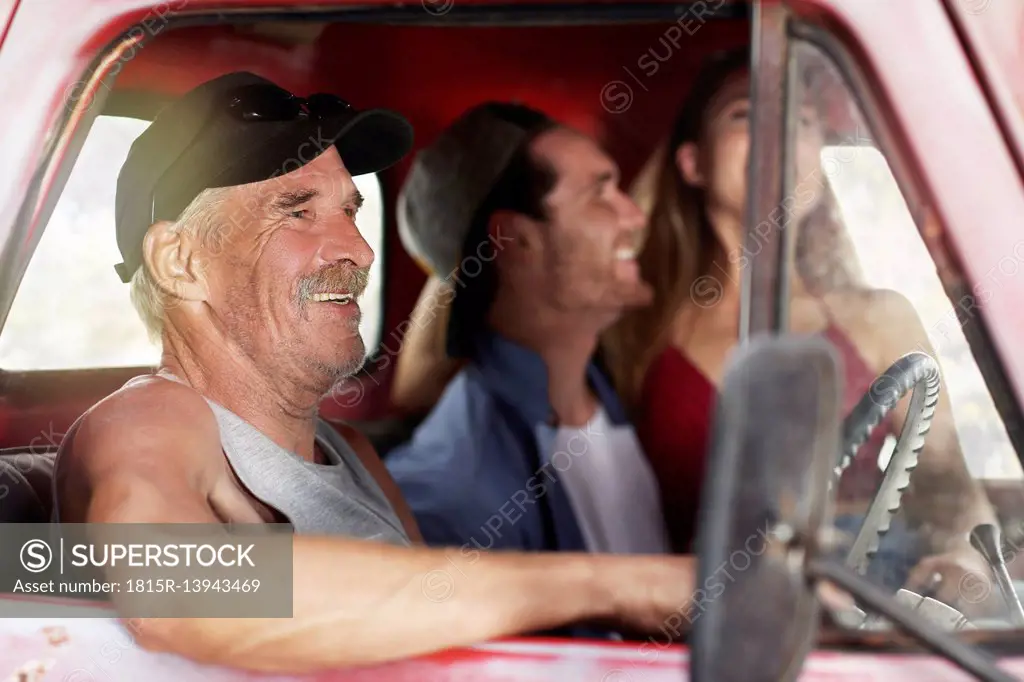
[[301, 213], [351, 212]]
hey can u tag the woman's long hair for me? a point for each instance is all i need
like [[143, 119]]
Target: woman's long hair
[[681, 246]]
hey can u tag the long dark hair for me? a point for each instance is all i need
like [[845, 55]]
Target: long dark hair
[[681, 246]]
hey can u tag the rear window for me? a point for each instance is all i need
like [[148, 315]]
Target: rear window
[[73, 312]]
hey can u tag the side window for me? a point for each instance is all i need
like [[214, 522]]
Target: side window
[[71, 310], [866, 279]]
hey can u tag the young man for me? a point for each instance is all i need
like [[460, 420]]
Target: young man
[[236, 219], [528, 448]]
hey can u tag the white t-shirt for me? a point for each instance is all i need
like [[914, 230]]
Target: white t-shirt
[[611, 488]]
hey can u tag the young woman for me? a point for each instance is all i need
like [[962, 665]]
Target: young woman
[[668, 360]]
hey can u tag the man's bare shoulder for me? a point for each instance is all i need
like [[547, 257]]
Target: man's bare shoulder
[[143, 409], [150, 428]]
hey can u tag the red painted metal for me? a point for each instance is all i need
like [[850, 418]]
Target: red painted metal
[[7, 8], [995, 32], [98, 650]]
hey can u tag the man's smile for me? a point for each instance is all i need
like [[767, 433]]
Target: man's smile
[[339, 298]]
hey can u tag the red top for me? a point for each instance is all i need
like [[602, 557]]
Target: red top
[[676, 406]]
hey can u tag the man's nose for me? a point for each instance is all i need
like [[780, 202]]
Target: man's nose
[[632, 217], [343, 241]]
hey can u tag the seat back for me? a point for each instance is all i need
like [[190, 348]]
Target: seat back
[[26, 491]]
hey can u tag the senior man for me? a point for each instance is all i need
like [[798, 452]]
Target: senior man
[[236, 219]]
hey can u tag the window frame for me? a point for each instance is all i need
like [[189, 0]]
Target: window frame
[[993, 74], [763, 313], [380, 255], [763, 292]]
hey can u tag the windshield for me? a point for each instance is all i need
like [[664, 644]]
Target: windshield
[[866, 279]]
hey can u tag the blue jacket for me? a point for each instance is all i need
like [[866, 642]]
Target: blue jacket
[[477, 472]]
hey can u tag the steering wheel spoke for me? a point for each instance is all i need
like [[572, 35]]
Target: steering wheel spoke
[[917, 372]]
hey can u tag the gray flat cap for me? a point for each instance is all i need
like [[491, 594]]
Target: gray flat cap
[[451, 178]]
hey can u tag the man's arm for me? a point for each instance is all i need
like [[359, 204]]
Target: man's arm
[[423, 368], [355, 602], [359, 602]]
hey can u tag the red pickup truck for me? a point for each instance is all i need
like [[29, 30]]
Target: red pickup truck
[[924, 105]]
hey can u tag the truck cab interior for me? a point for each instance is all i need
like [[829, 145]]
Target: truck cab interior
[[615, 71]]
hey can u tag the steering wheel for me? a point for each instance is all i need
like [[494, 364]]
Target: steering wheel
[[917, 372]]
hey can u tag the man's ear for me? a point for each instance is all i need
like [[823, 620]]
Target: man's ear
[[171, 256], [688, 163], [513, 234]]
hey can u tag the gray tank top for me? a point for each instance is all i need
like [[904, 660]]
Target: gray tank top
[[340, 498]]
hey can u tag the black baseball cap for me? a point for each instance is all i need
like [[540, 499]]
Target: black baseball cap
[[237, 129]]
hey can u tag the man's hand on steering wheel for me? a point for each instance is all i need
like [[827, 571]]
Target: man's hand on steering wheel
[[961, 578]]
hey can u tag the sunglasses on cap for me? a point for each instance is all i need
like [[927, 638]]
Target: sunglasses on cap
[[266, 103]]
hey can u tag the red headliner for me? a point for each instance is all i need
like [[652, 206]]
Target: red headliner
[[559, 69]]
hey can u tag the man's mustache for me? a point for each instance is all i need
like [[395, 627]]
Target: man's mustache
[[335, 279]]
